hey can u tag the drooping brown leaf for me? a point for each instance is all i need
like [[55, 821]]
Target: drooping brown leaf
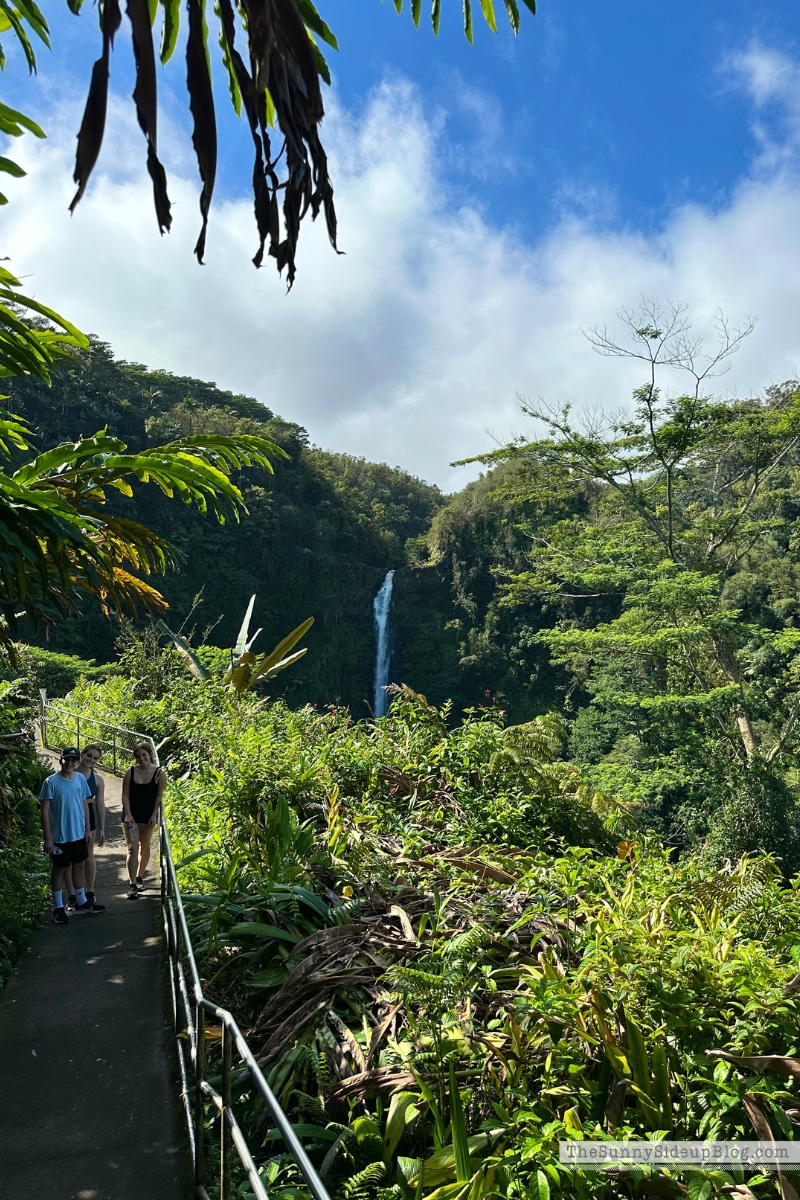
[[380, 1030], [370, 1083], [780, 1064], [145, 96], [408, 929], [763, 1131], [483, 870], [738, 1191], [265, 182], [90, 135], [201, 103], [347, 1036], [290, 1028], [295, 980], [328, 937], [615, 1104]]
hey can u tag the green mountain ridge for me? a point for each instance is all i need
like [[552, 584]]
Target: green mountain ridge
[[320, 536]]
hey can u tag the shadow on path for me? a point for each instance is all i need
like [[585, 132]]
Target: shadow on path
[[88, 1099]]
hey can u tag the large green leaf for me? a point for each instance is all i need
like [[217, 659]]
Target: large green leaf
[[260, 930], [458, 1127], [56, 539], [187, 654]]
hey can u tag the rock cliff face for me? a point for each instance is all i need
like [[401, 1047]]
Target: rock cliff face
[[425, 650]]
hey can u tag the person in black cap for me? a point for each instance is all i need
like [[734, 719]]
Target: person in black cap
[[65, 824]]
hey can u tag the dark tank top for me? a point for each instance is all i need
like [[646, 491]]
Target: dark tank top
[[143, 797]]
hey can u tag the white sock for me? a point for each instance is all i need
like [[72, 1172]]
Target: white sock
[[58, 898], [80, 895]]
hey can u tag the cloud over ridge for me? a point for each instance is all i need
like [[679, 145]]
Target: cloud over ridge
[[421, 336]]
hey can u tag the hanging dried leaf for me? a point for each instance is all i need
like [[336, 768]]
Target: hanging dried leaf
[[90, 135], [201, 103], [278, 86], [145, 96]]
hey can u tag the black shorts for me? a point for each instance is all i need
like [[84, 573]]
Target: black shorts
[[92, 817], [71, 852]]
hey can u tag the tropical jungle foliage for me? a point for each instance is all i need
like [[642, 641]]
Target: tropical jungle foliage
[[57, 539], [673, 593], [24, 871], [664, 634], [321, 532], [449, 951]]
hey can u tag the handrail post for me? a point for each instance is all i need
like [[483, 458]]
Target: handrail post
[[200, 1035], [114, 749], [78, 732], [225, 1131], [162, 862]]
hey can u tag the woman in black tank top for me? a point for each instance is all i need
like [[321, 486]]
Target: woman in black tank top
[[142, 790]]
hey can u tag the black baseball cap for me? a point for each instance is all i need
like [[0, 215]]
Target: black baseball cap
[[70, 752]]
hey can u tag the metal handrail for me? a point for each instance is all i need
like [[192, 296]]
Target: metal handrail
[[55, 711], [189, 1013], [189, 1009]]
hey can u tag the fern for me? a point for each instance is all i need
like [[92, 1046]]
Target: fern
[[740, 887], [362, 1184], [463, 943]]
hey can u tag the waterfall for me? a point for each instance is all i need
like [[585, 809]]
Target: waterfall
[[380, 607]]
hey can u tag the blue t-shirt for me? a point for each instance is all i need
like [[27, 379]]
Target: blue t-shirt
[[66, 796]]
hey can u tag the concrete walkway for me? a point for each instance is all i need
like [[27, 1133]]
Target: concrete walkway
[[88, 1099]]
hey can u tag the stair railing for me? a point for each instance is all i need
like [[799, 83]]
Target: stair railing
[[190, 1008], [61, 726]]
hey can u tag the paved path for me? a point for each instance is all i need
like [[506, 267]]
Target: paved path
[[88, 1101]]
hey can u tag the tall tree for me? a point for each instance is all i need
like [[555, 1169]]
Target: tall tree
[[693, 500]]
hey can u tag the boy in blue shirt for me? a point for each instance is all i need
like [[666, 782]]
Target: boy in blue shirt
[[65, 824]]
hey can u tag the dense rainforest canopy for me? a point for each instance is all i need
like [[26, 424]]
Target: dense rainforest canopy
[[552, 897], [643, 582]]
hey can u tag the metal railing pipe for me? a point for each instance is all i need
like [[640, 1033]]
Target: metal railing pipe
[[58, 721], [179, 944]]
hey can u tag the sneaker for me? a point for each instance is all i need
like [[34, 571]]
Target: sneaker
[[139, 883], [60, 917], [70, 905], [88, 907], [132, 892]]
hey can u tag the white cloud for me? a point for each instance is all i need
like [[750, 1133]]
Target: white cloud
[[771, 79], [407, 348]]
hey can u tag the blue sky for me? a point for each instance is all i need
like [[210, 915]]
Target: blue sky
[[624, 101], [519, 188], [621, 109]]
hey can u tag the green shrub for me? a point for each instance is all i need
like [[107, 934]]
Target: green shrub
[[23, 867], [56, 673]]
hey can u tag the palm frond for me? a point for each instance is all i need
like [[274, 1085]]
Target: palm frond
[[57, 541]]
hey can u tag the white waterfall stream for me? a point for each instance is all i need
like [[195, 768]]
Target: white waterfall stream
[[380, 607]]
